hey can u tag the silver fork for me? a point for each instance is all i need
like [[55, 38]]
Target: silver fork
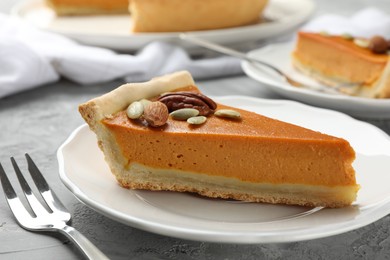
[[339, 89], [55, 218]]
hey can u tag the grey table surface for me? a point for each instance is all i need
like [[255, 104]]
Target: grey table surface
[[39, 121]]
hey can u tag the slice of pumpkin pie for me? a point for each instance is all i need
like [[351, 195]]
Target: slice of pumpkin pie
[[215, 150], [338, 60]]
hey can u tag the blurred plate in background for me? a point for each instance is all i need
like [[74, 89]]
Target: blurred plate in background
[[113, 31]]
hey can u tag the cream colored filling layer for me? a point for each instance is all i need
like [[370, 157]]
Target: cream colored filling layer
[[143, 177]]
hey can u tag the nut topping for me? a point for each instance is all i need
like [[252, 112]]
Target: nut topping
[[184, 113], [181, 99], [324, 33], [135, 110], [228, 113], [145, 102], [156, 114], [347, 36], [196, 120], [378, 44], [363, 43]]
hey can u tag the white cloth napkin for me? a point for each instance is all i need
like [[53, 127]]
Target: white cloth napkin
[[30, 57], [365, 23]]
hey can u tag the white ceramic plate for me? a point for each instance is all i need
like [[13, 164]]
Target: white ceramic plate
[[182, 215], [279, 55], [114, 31]]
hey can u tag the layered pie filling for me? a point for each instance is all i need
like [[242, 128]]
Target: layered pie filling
[[240, 155], [339, 59]]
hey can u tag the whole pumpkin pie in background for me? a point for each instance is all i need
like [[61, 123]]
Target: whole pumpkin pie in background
[[170, 15], [343, 59], [243, 156]]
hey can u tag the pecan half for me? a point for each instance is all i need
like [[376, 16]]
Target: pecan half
[[181, 99]]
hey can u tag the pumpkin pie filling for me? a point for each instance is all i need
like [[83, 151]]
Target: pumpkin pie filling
[[255, 158]]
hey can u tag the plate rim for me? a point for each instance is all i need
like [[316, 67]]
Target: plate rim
[[292, 92], [282, 25], [375, 213]]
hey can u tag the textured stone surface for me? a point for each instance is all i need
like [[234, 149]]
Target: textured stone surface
[[38, 121]]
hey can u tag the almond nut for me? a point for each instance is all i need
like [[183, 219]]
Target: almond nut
[[156, 114]]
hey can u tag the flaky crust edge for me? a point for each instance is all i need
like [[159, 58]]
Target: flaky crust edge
[[94, 110]]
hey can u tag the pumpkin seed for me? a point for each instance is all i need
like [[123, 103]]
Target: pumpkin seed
[[324, 33], [228, 113], [361, 43], [347, 36], [184, 113], [196, 120], [145, 102], [135, 110]]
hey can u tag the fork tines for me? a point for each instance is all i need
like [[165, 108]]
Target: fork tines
[[55, 218], [17, 207]]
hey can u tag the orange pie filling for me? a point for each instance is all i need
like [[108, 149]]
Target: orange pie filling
[[224, 148]]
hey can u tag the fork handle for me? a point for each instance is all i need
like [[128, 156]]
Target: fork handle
[[88, 249]]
